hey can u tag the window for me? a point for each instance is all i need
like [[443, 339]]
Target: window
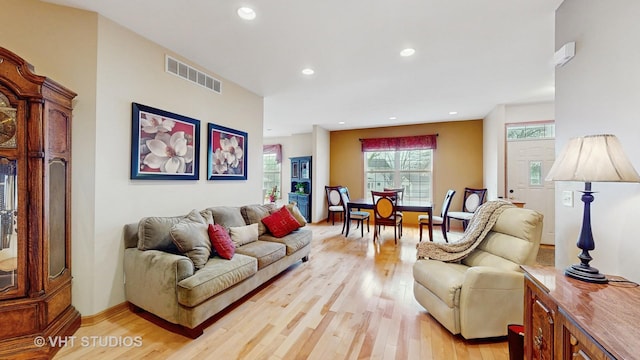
[[531, 131], [410, 169], [271, 176], [535, 173]]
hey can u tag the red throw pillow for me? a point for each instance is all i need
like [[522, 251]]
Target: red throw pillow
[[281, 222], [221, 241]]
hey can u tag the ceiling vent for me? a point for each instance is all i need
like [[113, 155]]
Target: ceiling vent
[[187, 72]]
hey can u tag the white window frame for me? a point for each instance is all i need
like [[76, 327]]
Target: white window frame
[[266, 191], [409, 194]]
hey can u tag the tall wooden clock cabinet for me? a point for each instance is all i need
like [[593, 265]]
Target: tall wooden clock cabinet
[[35, 209]]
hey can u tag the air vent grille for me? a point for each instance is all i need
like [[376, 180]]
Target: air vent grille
[[187, 72]]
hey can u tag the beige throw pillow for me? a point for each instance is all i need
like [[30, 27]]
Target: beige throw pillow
[[244, 234], [293, 209]]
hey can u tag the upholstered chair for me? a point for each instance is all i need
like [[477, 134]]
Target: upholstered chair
[[480, 295]]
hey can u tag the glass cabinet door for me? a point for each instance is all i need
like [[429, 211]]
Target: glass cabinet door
[[10, 247]]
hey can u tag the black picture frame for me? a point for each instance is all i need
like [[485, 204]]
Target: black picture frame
[[226, 153], [164, 145]]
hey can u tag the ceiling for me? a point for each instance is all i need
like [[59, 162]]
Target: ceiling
[[471, 55]]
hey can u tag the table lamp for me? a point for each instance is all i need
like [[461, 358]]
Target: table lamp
[[590, 159]]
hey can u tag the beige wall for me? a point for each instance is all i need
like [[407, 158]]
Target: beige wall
[[110, 67], [457, 160]]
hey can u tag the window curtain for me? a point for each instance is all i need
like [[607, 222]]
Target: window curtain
[[419, 142], [273, 149]]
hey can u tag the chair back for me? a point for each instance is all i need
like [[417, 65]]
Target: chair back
[[514, 240], [344, 196], [398, 191], [333, 195], [446, 203], [473, 198], [384, 206]]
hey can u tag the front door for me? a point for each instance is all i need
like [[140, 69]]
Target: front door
[[528, 162]]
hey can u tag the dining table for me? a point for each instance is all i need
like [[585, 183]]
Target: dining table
[[404, 205]]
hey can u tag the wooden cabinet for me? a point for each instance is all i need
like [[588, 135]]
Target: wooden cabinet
[[35, 208], [301, 184], [570, 319]]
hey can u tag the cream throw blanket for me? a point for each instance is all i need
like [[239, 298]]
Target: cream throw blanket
[[480, 224]]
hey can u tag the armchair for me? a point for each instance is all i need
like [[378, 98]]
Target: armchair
[[480, 295]]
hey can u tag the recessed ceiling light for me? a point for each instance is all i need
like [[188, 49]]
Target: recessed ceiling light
[[308, 71], [246, 13], [392, 118], [453, 113], [341, 122], [407, 52]]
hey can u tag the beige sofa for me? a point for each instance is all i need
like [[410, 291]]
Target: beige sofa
[[164, 282], [479, 296]]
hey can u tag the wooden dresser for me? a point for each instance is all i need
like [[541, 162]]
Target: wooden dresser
[[571, 319]]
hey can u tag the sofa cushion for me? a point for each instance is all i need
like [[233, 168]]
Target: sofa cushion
[[227, 216], [295, 211], [255, 213], [295, 241], [266, 252], [281, 222], [221, 241], [244, 234], [191, 238], [216, 276], [443, 279]]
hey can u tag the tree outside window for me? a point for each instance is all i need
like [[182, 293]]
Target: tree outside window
[[410, 169]]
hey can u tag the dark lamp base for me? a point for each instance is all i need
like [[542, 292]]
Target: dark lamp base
[[585, 273]]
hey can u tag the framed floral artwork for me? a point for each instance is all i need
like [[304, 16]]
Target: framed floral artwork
[[226, 150], [164, 145]]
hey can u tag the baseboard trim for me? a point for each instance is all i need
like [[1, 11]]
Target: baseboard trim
[[104, 315]]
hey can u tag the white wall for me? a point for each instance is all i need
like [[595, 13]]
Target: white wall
[[321, 156], [493, 152], [494, 139], [110, 67], [598, 92]]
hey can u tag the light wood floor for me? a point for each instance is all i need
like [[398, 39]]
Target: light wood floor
[[352, 300]]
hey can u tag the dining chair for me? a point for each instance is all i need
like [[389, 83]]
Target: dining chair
[[354, 215], [385, 213], [334, 203], [400, 193], [473, 198], [438, 220]]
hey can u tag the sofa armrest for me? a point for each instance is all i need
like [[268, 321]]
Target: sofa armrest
[[151, 279], [490, 299]]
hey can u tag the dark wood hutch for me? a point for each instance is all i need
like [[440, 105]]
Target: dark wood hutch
[[35, 212]]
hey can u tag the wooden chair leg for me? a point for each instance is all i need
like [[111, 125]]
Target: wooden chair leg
[[444, 232], [395, 235], [420, 232]]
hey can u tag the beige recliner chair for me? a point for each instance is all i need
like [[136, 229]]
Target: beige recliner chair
[[479, 296]]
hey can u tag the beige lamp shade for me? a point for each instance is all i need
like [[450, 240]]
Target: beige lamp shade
[[593, 158]]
